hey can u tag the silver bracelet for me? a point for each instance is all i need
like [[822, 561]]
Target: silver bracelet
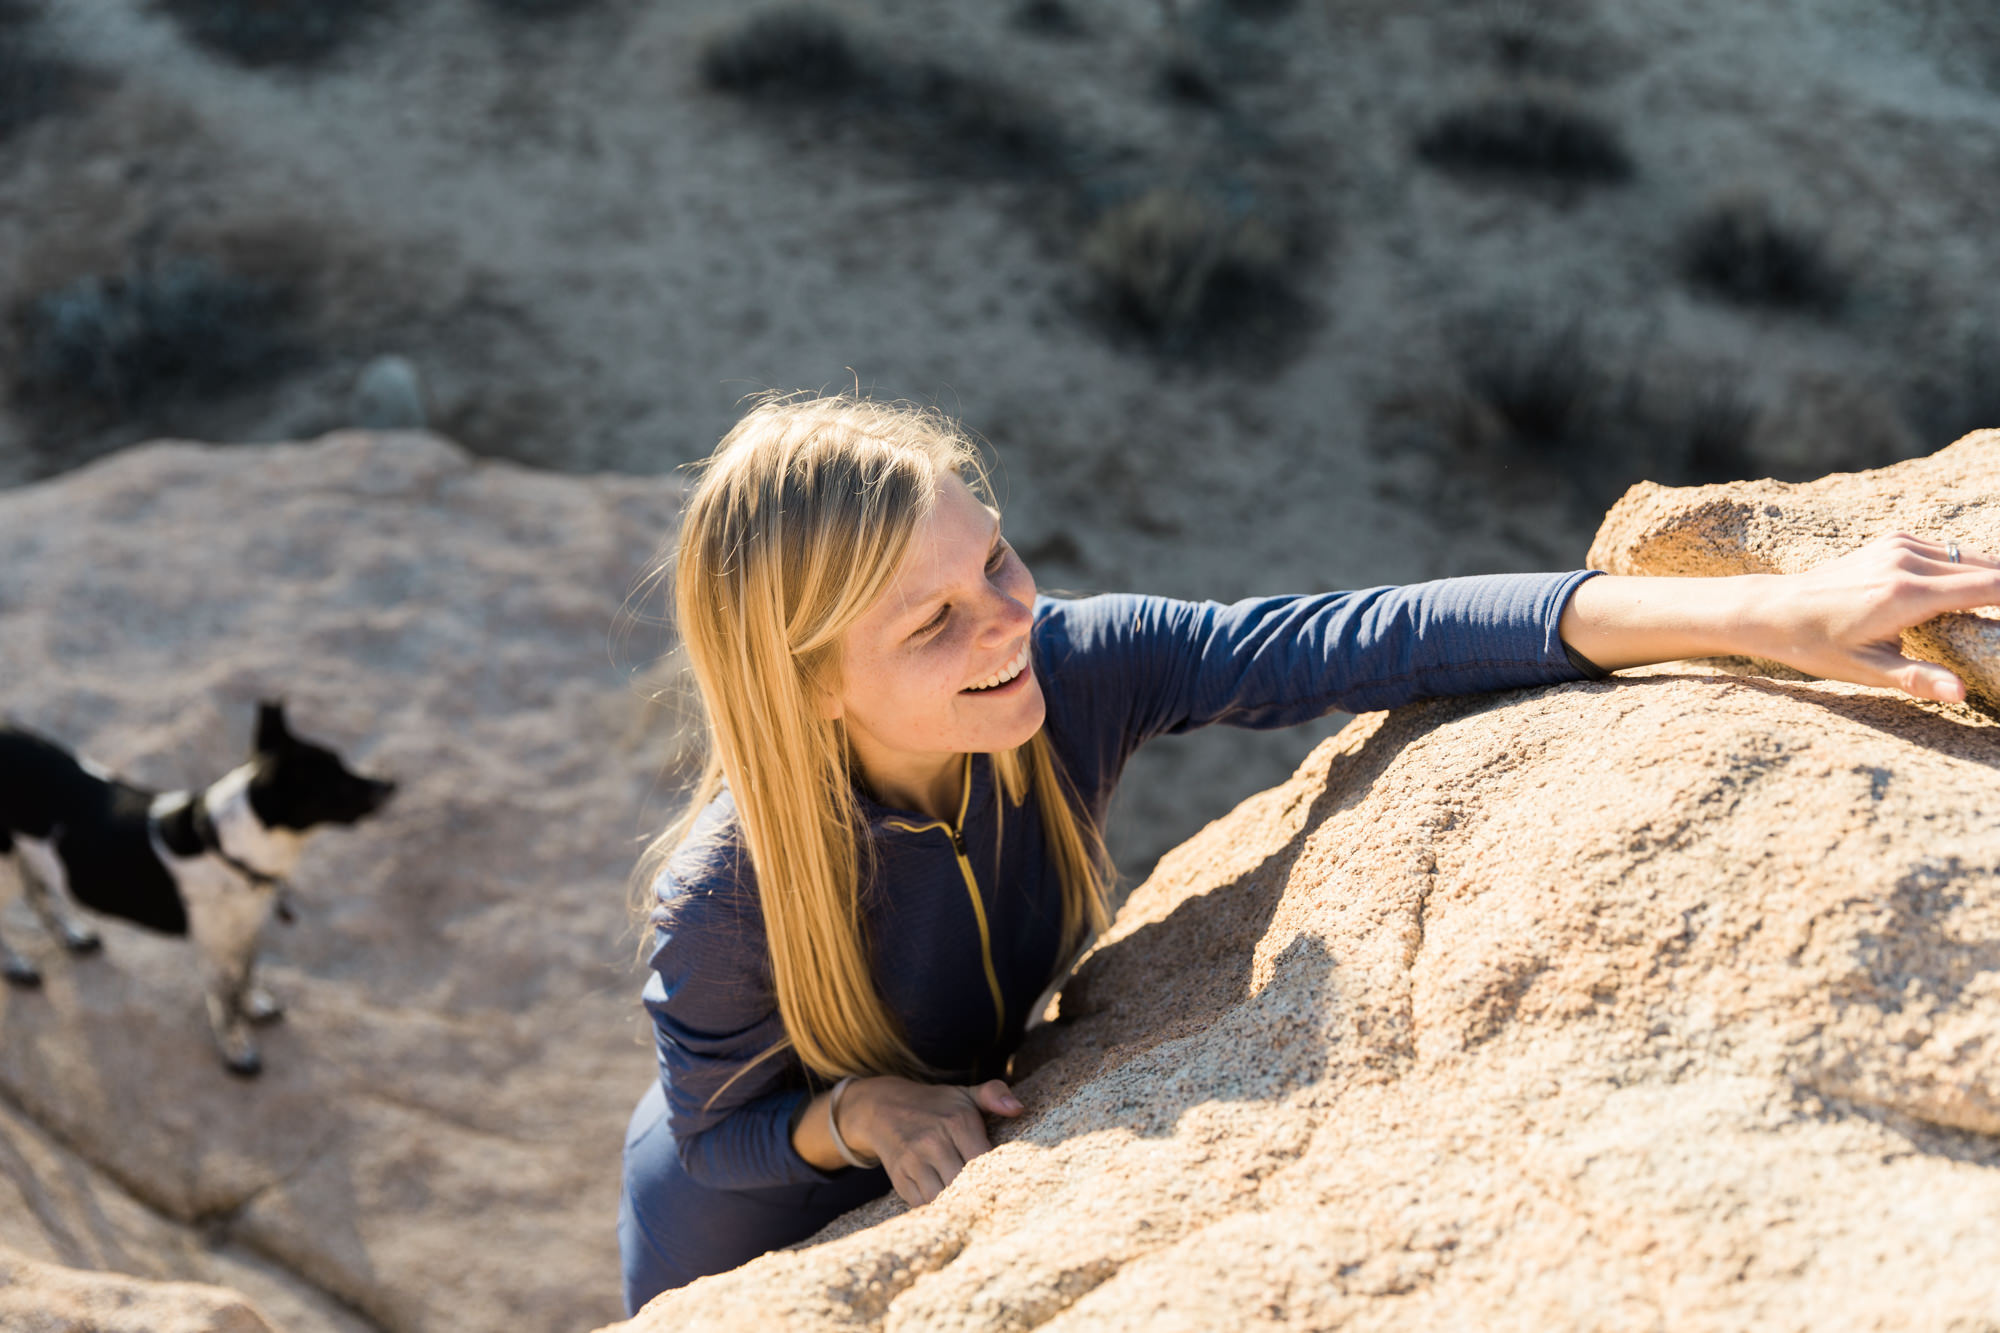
[[847, 1154]]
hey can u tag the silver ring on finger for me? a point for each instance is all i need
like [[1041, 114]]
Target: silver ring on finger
[[1951, 551]]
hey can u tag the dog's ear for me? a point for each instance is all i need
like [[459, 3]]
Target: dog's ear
[[272, 734]]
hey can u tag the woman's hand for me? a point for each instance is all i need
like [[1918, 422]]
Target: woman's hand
[[1842, 621], [923, 1133]]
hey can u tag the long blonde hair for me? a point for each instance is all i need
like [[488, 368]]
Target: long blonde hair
[[796, 524]]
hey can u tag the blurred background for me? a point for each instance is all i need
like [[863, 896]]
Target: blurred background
[[1248, 295]]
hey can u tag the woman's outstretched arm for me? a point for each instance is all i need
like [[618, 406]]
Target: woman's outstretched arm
[[1841, 621]]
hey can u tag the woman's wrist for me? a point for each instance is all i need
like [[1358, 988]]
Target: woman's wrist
[[857, 1115], [843, 1143], [814, 1124]]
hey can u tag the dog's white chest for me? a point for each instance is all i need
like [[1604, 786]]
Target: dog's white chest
[[225, 911]]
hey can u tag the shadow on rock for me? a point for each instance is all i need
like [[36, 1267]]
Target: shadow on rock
[[1182, 975]]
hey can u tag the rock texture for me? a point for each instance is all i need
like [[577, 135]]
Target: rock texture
[[43, 1298], [1665, 1002], [434, 1143], [57, 1210], [1775, 527]]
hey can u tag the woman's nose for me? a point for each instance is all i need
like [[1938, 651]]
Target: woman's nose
[[1009, 619]]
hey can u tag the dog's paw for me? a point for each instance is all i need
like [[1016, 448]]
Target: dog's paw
[[262, 1008], [82, 941], [244, 1064], [20, 972]]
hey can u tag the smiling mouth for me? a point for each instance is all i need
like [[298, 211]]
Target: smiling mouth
[[1004, 675]]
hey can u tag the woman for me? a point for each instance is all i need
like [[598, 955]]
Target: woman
[[894, 847]]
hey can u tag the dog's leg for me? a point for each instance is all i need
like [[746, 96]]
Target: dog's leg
[[16, 968], [225, 917], [259, 1005], [47, 885], [223, 984]]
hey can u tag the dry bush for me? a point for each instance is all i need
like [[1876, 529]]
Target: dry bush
[[1554, 397], [1184, 79], [1185, 272], [1526, 135], [952, 122], [532, 10], [788, 53], [1742, 250], [262, 33], [1702, 429], [103, 347], [1048, 18], [1536, 391], [1260, 10]]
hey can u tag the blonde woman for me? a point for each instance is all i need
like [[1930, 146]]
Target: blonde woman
[[894, 847]]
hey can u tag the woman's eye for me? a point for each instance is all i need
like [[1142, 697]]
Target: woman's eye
[[998, 558], [936, 621]]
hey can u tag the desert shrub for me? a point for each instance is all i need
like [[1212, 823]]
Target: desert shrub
[[33, 83], [1741, 250], [1048, 18], [955, 122], [1185, 271], [786, 53], [1537, 391], [258, 33], [1700, 430], [539, 9], [1598, 417], [164, 331], [947, 115], [1528, 135], [1183, 79]]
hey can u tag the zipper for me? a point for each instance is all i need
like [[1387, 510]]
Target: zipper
[[957, 836]]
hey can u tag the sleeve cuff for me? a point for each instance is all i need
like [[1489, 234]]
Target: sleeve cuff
[[1588, 669]]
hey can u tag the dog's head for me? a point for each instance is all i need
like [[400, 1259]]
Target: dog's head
[[295, 784]]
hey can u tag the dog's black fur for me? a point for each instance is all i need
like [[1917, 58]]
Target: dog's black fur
[[128, 852]]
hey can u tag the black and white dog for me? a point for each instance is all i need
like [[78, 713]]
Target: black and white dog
[[209, 864]]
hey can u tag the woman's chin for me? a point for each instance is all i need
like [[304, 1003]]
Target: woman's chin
[[1010, 715]]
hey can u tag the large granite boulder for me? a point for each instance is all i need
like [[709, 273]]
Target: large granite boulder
[[434, 1143], [45, 1298], [1671, 1001]]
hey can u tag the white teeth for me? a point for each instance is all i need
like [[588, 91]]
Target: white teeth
[[1006, 673]]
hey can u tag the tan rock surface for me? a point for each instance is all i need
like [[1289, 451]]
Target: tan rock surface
[[1775, 527], [45, 1298], [1669, 1002], [434, 1143], [55, 1208]]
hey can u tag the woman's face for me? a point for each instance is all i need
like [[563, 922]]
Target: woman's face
[[938, 664]]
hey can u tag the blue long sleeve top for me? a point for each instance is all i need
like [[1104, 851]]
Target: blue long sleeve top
[[1116, 670]]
